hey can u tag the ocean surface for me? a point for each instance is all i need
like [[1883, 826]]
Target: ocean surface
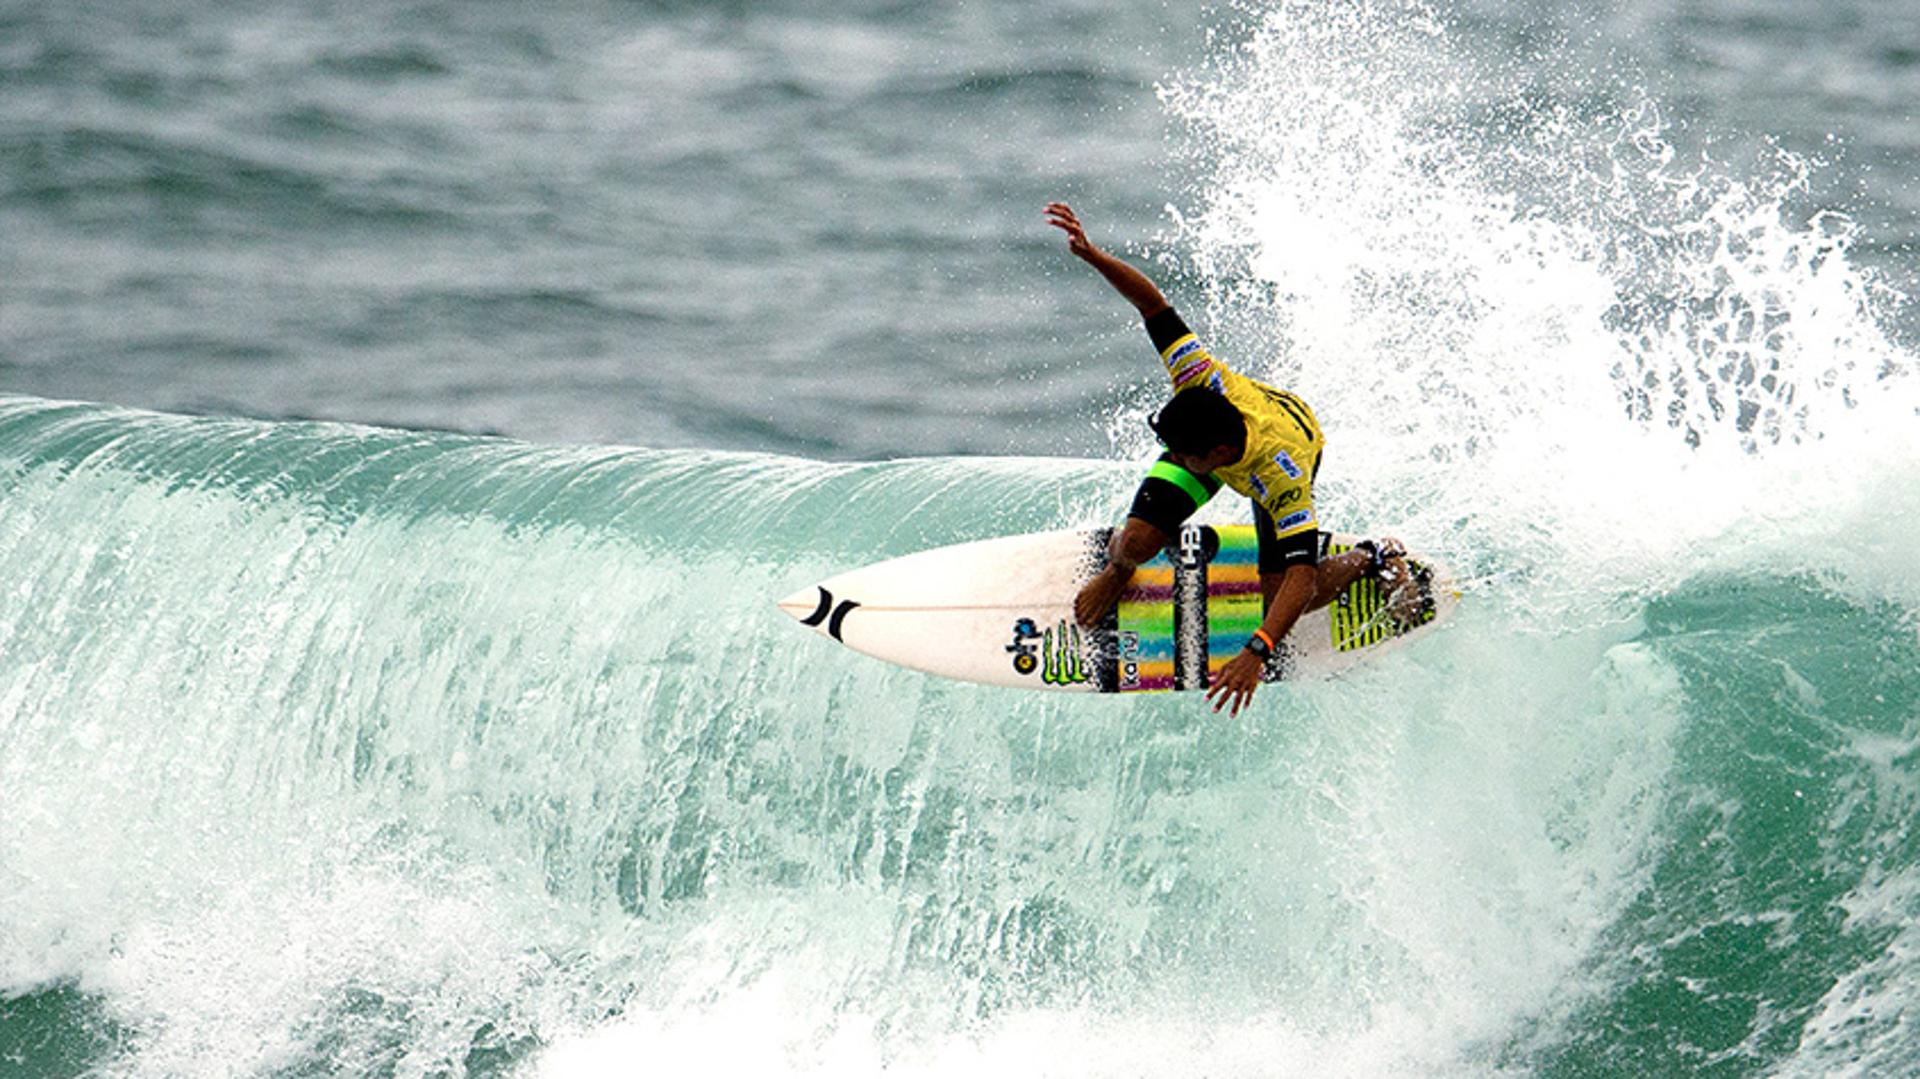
[[408, 414]]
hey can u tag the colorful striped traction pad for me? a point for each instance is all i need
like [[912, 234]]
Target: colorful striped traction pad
[[1201, 602]]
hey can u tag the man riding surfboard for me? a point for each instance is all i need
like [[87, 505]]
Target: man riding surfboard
[[1223, 428]]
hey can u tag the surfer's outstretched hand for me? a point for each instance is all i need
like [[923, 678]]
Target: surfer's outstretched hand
[[1062, 217], [1236, 682]]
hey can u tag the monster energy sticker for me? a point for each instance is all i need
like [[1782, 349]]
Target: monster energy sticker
[[1062, 657]]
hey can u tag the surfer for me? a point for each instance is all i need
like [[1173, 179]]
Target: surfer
[[1222, 428]]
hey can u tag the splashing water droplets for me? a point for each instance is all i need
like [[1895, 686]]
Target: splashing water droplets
[[1511, 315]]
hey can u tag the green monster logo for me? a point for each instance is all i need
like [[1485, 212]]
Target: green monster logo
[[1064, 660]]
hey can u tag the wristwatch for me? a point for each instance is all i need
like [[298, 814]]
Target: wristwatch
[[1260, 644]]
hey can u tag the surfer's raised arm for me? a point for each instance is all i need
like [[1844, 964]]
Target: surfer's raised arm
[[1129, 282]]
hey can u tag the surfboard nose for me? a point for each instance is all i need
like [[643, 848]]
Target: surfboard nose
[[806, 603], [820, 609]]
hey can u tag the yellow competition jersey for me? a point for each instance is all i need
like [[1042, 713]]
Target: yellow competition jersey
[[1283, 438]]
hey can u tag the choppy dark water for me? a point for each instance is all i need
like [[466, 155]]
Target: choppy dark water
[[767, 226]]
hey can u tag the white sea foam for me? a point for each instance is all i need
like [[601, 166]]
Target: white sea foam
[[1538, 338]]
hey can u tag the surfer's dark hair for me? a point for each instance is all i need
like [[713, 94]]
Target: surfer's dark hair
[[1198, 420]]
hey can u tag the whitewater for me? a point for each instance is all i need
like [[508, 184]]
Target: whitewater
[[328, 748]]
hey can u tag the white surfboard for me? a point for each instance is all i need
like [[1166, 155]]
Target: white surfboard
[[1000, 612]]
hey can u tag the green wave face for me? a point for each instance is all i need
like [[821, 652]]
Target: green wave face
[[1774, 923], [336, 749]]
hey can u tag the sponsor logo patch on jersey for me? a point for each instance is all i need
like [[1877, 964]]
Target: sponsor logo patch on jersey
[[1183, 350], [1259, 487], [1192, 370], [1286, 465], [1217, 384], [1293, 520]]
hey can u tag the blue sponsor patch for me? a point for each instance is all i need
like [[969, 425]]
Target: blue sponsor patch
[[1259, 487], [1286, 465], [1183, 351], [1293, 520], [1217, 384]]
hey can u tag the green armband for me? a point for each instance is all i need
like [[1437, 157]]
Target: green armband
[[1197, 488]]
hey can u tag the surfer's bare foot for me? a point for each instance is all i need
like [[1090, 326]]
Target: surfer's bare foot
[[1396, 581], [1099, 596]]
